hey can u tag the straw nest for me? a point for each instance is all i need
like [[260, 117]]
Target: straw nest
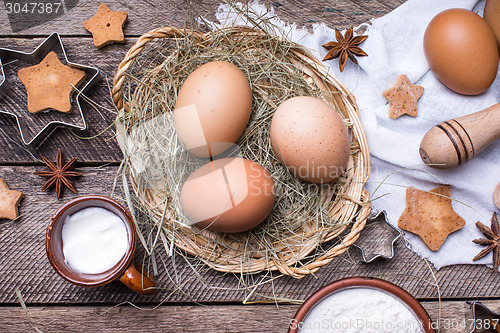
[[310, 224]]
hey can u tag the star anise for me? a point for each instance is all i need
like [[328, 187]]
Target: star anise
[[59, 174], [345, 47], [492, 241]]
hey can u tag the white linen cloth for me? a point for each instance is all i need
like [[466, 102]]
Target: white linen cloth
[[394, 47]]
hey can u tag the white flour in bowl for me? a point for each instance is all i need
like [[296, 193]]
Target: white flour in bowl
[[360, 310]]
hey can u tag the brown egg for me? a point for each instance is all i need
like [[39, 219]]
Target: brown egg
[[228, 195], [310, 138], [492, 16], [212, 108], [462, 51], [496, 196]]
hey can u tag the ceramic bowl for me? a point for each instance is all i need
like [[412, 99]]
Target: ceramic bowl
[[362, 282]]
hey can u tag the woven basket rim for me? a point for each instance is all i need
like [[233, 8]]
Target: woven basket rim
[[354, 206]]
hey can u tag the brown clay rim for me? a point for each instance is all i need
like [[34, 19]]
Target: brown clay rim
[[97, 279], [361, 281], [352, 203]]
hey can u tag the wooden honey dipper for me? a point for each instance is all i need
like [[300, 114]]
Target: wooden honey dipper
[[456, 141]]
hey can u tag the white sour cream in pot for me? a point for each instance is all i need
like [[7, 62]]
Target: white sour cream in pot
[[94, 240], [360, 310]]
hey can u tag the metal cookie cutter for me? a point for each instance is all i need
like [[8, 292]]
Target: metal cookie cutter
[[483, 318], [377, 238], [34, 128]]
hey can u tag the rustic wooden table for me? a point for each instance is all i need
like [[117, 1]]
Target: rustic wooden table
[[55, 305]]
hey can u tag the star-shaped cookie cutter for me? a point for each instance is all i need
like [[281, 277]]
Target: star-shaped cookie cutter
[[491, 316], [47, 121], [377, 239]]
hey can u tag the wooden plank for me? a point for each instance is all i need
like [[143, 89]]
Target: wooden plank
[[189, 318], [147, 15], [24, 264]]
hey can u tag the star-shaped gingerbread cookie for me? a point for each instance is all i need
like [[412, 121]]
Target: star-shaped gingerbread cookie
[[403, 97], [106, 26], [430, 215], [9, 201], [50, 84]]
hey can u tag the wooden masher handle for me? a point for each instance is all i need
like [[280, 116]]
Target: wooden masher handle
[[456, 141]]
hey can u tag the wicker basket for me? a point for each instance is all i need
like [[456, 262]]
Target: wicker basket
[[352, 202]]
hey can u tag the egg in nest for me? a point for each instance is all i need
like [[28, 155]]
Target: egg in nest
[[213, 108], [310, 138]]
